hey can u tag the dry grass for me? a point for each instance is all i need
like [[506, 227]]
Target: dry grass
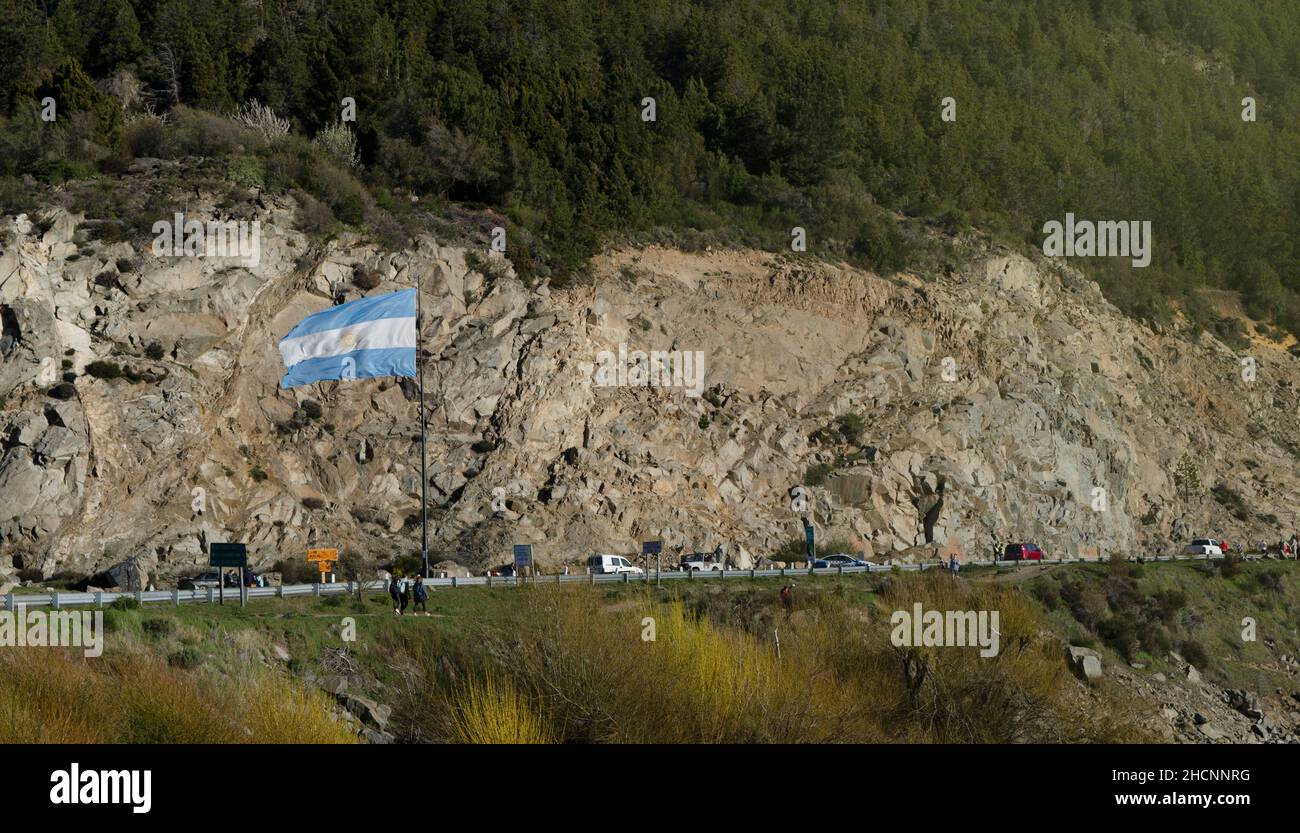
[[564, 666], [492, 710], [54, 696]]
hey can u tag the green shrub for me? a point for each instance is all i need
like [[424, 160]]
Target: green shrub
[[158, 628], [1195, 653], [187, 656], [816, 474], [63, 391], [125, 603], [145, 137], [246, 172], [103, 369], [365, 278], [1121, 634]]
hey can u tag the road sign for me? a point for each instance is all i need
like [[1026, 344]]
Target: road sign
[[523, 556], [227, 555], [812, 540], [323, 554], [652, 547]]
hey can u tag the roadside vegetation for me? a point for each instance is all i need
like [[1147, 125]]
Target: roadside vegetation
[[576, 664], [59, 696]]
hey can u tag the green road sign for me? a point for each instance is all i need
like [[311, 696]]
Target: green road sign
[[228, 555]]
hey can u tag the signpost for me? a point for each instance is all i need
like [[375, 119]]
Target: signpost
[[811, 535], [224, 556], [649, 548], [326, 557], [523, 558]]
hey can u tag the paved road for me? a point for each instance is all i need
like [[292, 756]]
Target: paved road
[[58, 600]]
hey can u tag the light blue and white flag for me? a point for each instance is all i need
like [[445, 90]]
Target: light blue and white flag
[[357, 340]]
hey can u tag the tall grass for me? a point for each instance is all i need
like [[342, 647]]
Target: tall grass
[[567, 665], [54, 696], [492, 710]]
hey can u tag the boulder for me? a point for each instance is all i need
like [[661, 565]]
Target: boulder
[[371, 736], [1085, 663], [1245, 702], [376, 714], [129, 575], [334, 684]]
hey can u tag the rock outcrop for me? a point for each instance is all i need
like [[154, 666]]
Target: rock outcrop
[[1004, 400]]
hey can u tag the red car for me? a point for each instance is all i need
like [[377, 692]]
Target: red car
[[1022, 552]]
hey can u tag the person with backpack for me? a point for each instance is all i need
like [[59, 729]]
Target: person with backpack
[[421, 595], [395, 590]]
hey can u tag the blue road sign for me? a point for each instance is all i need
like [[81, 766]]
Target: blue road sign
[[523, 556], [228, 555]]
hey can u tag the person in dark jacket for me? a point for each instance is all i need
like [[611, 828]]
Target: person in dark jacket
[[421, 595], [395, 590], [405, 594]]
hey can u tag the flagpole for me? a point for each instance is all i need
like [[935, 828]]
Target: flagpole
[[424, 476]]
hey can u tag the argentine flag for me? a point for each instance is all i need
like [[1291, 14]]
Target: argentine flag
[[357, 340]]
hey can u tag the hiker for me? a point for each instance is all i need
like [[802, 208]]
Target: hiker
[[421, 595], [953, 566], [395, 590], [405, 595], [787, 600]]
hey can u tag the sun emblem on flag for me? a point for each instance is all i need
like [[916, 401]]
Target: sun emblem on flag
[[349, 340]]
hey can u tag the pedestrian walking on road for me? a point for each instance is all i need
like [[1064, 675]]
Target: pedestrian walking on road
[[421, 595], [395, 590]]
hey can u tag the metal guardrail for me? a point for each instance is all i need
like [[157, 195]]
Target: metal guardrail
[[56, 600]]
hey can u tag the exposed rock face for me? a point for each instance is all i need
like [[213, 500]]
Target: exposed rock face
[[995, 402]]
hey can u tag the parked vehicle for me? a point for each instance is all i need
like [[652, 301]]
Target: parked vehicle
[[1203, 546], [604, 564], [699, 561], [839, 559], [200, 582], [1022, 552]]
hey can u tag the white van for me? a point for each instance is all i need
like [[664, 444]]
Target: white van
[[602, 564]]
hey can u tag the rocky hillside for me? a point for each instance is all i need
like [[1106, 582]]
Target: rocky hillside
[[140, 414]]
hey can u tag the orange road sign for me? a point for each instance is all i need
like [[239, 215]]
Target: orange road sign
[[323, 554]]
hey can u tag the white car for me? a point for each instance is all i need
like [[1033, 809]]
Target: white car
[[700, 561], [1203, 546], [604, 564]]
